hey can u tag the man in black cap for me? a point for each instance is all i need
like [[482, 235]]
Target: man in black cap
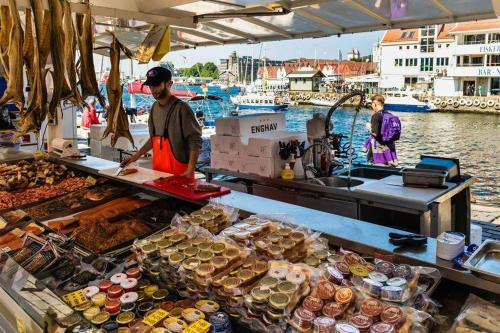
[[175, 132]]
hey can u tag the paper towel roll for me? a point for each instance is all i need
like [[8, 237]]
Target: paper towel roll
[[61, 143]]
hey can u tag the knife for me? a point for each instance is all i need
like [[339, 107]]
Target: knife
[[118, 171]]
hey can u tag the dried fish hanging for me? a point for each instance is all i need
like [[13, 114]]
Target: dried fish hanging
[[117, 119], [88, 80], [12, 60], [69, 57], [37, 104], [56, 54]]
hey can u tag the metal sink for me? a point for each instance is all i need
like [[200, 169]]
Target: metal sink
[[370, 173], [338, 181]]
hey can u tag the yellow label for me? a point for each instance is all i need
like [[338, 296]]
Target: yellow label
[[91, 180], [75, 298], [155, 317], [199, 326], [20, 325]]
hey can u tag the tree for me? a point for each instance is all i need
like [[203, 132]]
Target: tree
[[205, 70]]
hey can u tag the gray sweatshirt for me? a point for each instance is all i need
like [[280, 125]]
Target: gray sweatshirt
[[182, 130]]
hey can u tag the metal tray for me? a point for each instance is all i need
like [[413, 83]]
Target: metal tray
[[485, 261], [424, 177]]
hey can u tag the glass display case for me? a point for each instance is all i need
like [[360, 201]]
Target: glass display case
[[26, 304]]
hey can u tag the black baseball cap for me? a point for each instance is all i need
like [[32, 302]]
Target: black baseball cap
[[156, 75]]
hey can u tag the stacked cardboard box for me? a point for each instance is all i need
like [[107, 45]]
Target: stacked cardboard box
[[250, 144]]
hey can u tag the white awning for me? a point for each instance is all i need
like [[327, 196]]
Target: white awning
[[198, 23]]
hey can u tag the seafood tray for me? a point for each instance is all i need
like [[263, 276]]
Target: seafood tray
[[111, 227], [485, 261], [75, 202], [31, 173], [11, 240]]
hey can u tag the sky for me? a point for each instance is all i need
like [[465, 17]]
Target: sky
[[321, 48]]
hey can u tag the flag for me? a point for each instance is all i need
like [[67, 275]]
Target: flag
[[340, 56]]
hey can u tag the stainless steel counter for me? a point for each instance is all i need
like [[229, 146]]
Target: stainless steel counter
[[382, 201], [353, 193]]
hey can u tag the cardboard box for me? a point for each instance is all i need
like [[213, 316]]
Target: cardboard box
[[268, 145], [96, 131], [140, 138], [225, 161], [261, 166], [97, 149], [227, 144], [250, 125]]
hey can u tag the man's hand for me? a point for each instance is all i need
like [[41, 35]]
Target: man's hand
[[129, 160], [188, 173]]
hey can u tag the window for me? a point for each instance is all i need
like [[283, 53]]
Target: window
[[407, 47], [426, 64], [412, 33], [495, 86], [410, 80], [427, 39], [448, 45], [403, 35], [474, 39], [494, 38], [398, 62], [470, 61], [439, 46], [400, 47], [442, 61], [303, 80], [493, 60]]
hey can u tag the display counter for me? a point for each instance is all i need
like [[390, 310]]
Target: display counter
[[353, 234], [368, 239]]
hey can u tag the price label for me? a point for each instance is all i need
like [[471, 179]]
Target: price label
[[20, 325], [155, 317], [75, 298], [91, 180], [199, 326]]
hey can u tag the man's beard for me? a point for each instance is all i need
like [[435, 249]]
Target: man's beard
[[161, 94]]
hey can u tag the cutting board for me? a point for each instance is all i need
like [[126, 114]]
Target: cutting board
[[184, 187], [141, 176], [392, 188]]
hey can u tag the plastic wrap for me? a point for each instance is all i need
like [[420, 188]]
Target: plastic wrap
[[477, 315], [228, 289], [209, 262], [273, 238], [214, 217], [273, 299]]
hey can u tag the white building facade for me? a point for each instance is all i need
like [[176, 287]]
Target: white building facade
[[460, 59]]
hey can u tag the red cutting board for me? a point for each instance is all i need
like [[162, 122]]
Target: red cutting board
[[184, 187]]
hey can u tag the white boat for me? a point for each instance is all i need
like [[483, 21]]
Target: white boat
[[259, 101], [406, 101], [322, 102]]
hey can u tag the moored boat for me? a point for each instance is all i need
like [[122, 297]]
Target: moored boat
[[404, 101], [256, 101]]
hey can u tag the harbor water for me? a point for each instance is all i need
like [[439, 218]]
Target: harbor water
[[472, 138]]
